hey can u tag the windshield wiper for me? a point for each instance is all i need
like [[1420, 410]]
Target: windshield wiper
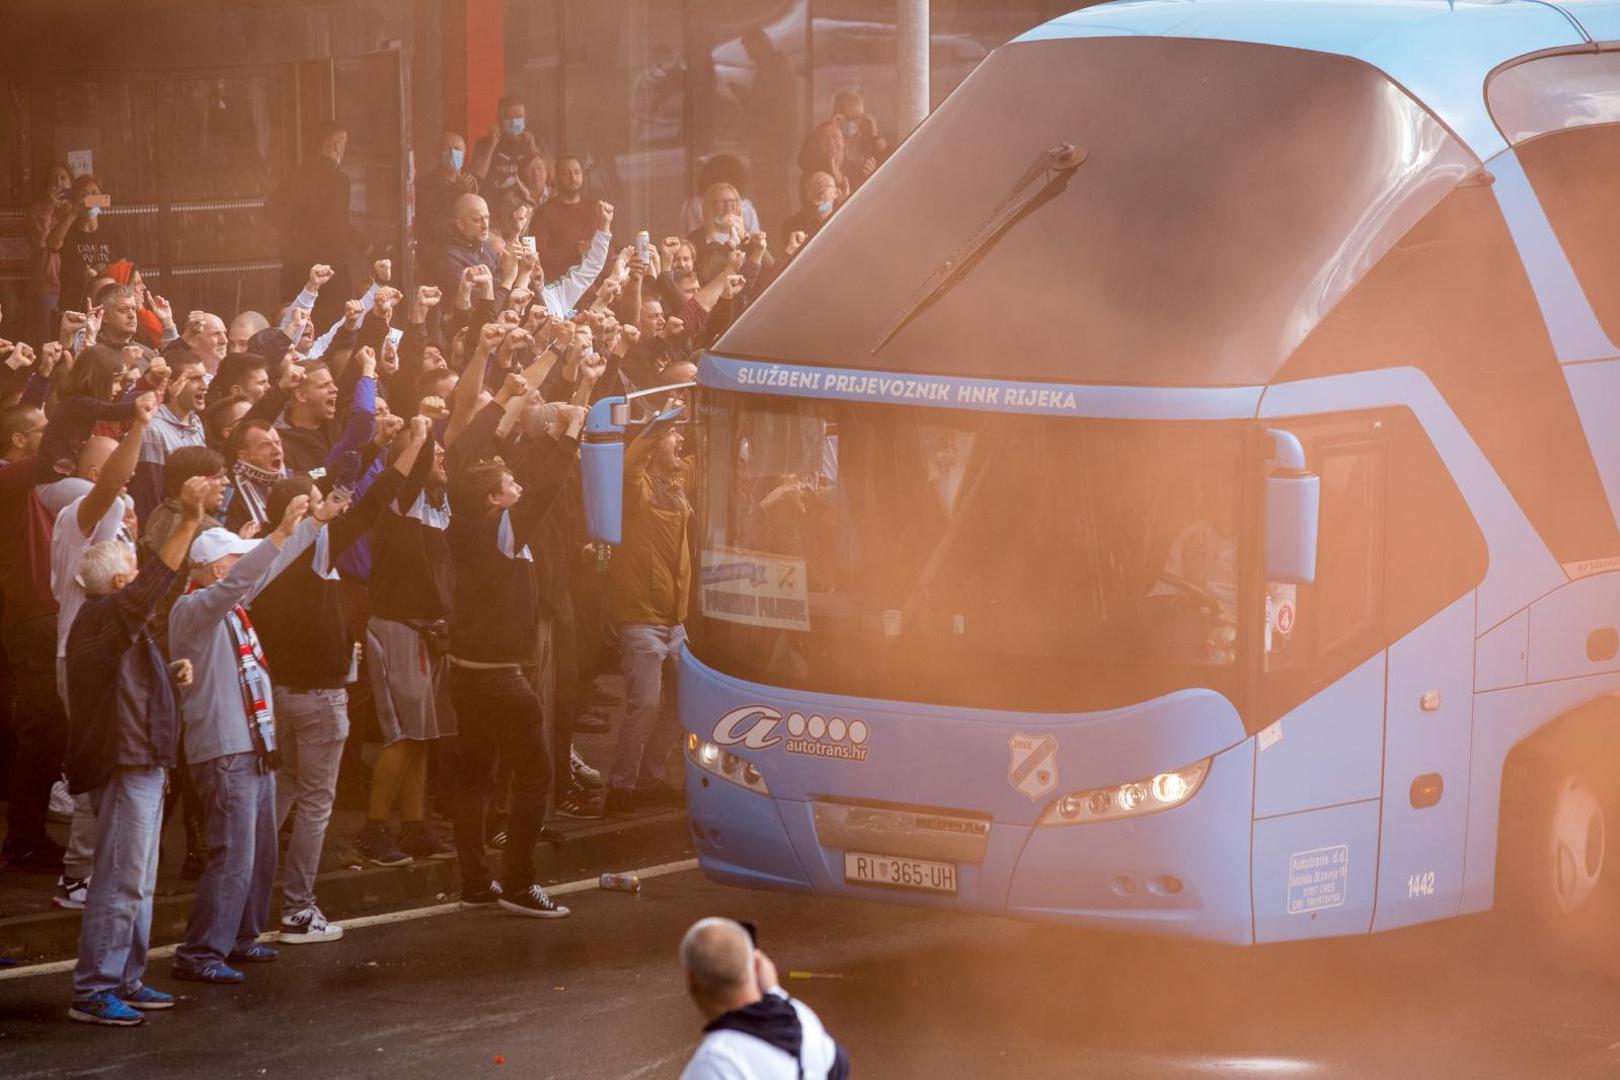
[[1057, 165]]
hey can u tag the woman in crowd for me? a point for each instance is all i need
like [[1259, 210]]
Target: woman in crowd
[[45, 265]]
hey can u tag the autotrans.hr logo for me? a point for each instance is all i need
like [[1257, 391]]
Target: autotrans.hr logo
[[760, 727]]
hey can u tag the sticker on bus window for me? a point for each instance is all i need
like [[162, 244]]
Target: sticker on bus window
[[1282, 615], [1318, 879], [755, 589]]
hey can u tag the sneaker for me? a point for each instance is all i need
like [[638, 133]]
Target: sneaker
[[307, 927], [534, 903], [421, 842], [376, 846], [60, 808], [218, 974], [581, 773], [619, 804], [145, 998], [70, 893], [576, 804], [104, 1008], [476, 897], [254, 954]]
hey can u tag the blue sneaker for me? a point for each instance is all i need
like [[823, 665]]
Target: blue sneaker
[[104, 1008], [219, 974], [145, 998], [254, 954]]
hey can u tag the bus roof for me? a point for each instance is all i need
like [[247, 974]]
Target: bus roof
[[1440, 51]]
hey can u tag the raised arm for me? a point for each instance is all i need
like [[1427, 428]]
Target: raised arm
[[119, 468], [551, 465], [59, 231], [361, 426], [464, 402], [206, 607], [348, 529], [572, 285]]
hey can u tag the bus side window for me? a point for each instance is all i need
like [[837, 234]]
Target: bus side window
[[1350, 552], [1315, 633], [1574, 175], [1397, 545]]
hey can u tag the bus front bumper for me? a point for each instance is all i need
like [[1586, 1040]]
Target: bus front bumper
[[1184, 872]]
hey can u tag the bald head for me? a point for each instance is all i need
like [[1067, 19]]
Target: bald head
[[243, 327], [472, 219], [719, 961], [97, 449]]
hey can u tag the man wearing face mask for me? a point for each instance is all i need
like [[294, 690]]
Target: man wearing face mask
[[864, 150], [312, 209], [497, 155], [436, 195]]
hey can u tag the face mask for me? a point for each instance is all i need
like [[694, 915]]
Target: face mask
[[513, 126], [452, 160], [93, 213], [824, 208]]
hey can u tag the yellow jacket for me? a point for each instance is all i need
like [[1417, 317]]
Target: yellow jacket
[[650, 578]]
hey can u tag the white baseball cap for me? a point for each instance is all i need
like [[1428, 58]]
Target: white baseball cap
[[213, 545]]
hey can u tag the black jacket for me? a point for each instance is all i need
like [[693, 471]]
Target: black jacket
[[300, 617], [495, 608]]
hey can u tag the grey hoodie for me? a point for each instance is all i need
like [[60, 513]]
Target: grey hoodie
[[164, 435]]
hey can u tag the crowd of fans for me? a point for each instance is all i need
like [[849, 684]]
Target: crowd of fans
[[227, 535]]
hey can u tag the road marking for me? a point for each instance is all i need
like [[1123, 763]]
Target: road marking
[[57, 967]]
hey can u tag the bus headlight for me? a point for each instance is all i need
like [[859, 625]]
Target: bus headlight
[[724, 764], [1150, 796]]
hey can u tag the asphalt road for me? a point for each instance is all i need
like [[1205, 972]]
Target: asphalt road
[[910, 993]]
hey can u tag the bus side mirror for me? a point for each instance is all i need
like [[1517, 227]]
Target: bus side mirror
[[1292, 514], [601, 469]]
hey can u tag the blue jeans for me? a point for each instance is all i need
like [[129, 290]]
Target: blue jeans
[[311, 728], [651, 663], [117, 923], [233, 897]]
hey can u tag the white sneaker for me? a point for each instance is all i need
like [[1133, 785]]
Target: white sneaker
[[307, 927], [61, 805], [70, 893]]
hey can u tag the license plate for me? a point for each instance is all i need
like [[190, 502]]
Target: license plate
[[924, 875]]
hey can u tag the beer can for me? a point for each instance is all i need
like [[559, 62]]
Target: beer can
[[626, 882]]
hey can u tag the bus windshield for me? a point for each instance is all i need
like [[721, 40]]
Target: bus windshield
[[1230, 195], [966, 559]]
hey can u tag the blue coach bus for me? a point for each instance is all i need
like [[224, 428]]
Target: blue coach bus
[[1178, 493]]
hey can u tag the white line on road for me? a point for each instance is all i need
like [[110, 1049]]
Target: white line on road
[[57, 967]]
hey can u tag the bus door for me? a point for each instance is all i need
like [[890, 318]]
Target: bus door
[[1319, 764]]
